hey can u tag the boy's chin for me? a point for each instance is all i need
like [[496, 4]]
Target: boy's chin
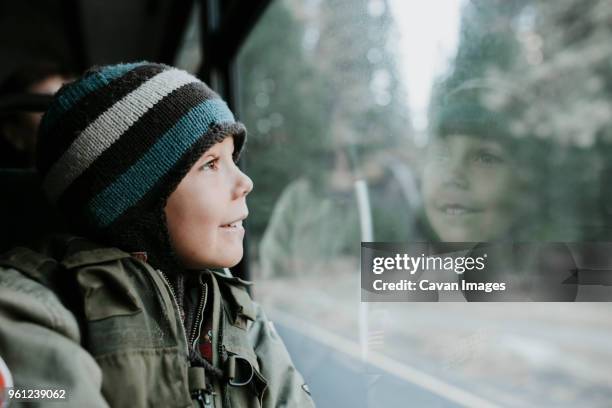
[[226, 262], [232, 264]]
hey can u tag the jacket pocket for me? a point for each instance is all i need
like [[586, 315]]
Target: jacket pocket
[[107, 292], [246, 384], [152, 377]]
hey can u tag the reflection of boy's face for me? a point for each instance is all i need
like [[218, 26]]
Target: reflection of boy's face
[[211, 196], [468, 188]]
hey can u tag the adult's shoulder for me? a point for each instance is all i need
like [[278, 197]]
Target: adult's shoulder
[[37, 325], [43, 282], [27, 295]]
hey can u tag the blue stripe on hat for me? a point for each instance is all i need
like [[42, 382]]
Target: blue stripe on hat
[[134, 183], [69, 96]]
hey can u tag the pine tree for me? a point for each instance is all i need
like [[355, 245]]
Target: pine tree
[[316, 77]]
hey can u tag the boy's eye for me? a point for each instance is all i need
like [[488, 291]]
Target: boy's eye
[[488, 158], [210, 165]]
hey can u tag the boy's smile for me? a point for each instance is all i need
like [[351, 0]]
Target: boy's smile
[[468, 188], [234, 226], [205, 213]]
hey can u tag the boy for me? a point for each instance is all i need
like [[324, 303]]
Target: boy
[[141, 160], [478, 177]]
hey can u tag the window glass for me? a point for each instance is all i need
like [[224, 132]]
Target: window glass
[[189, 54], [389, 120]]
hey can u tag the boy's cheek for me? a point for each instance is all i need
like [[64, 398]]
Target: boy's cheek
[[188, 242]]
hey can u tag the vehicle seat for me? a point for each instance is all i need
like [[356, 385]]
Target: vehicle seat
[[25, 215]]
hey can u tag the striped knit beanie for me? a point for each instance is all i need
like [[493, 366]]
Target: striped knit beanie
[[115, 143]]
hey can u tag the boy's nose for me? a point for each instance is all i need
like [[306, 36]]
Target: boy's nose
[[244, 184], [455, 174]]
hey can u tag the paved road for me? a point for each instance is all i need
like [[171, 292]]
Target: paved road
[[337, 380]]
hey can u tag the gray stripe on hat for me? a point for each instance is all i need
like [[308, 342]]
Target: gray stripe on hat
[[108, 128]]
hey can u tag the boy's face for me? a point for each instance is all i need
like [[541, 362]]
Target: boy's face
[[469, 188], [210, 197]]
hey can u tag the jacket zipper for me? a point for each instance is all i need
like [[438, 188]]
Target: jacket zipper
[[222, 356], [205, 397], [197, 327], [195, 330], [177, 307]]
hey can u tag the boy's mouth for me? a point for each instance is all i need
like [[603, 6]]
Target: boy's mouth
[[457, 209], [235, 224]]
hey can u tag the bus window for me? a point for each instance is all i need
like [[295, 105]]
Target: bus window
[[474, 121], [189, 55]]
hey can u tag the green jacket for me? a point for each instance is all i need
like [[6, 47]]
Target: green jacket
[[104, 326]]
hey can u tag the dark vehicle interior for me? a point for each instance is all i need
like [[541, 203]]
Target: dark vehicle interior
[[83, 34]]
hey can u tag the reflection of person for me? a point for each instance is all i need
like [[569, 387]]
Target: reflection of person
[[479, 184], [142, 159], [18, 130], [312, 223], [474, 182], [316, 224], [469, 188]]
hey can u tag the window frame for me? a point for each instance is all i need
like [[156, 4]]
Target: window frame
[[225, 26]]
